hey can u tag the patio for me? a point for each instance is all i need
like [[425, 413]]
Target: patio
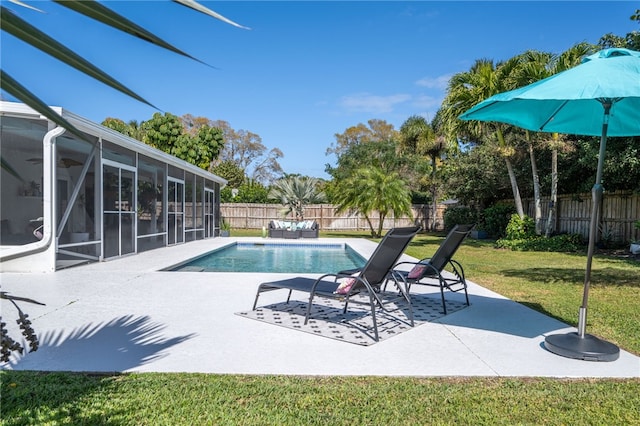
[[127, 315]]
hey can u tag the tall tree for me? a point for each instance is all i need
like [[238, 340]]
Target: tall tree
[[566, 60], [373, 190], [162, 131], [532, 66], [630, 40], [383, 155], [132, 129], [377, 130], [230, 171], [419, 137], [467, 89], [249, 153], [198, 145]]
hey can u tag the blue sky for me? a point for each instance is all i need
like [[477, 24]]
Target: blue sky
[[305, 70]]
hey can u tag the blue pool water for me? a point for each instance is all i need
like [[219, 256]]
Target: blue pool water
[[277, 257]]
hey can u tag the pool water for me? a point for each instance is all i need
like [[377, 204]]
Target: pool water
[[277, 257]]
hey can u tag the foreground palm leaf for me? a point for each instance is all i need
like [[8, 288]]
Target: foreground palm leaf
[[6, 166], [14, 88], [31, 35], [19, 3], [95, 10], [200, 8], [36, 38]]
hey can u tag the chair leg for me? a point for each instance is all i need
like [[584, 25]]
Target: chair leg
[[405, 293], [444, 303], [373, 315], [408, 299], [255, 302], [306, 318], [466, 295]]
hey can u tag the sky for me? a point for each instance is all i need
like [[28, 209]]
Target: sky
[[305, 70]]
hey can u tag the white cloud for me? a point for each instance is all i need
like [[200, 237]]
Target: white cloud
[[439, 83], [426, 101], [365, 102]]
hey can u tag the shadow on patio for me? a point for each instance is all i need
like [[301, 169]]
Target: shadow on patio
[[123, 343]]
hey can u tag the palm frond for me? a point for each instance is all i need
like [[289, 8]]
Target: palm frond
[[19, 3], [14, 88], [200, 8], [26, 32], [90, 8], [100, 13], [6, 166]]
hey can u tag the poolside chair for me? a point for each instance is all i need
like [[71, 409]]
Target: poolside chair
[[343, 286], [431, 271]]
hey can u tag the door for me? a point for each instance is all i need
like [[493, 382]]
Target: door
[[175, 204], [209, 216], [119, 213]]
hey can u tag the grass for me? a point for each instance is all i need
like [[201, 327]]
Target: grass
[[197, 399], [548, 282]]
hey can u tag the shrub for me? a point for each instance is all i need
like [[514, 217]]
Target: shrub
[[557, 243], [520, 228], [459, 216], [496, 219]]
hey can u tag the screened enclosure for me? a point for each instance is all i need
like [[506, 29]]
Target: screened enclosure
[[68, 200]]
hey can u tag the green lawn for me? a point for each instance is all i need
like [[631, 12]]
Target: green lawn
[[548, 282], [31, 398]]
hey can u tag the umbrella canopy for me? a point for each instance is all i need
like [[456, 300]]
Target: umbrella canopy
[[601, 96], [571, 102]]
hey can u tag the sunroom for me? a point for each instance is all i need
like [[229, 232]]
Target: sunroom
[[67, 201]]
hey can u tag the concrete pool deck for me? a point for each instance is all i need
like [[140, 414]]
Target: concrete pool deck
[[128, 315]]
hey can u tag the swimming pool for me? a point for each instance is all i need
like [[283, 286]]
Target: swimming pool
[[276, 257]]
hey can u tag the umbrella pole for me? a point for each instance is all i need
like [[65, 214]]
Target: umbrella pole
[[596, 199], [581, 345]]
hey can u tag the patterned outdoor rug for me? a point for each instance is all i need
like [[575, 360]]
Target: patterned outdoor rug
[[356, 326]]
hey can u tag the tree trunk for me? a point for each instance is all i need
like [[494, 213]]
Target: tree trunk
[[536, 187], [381, 218], [514, 187], [373, 231], [551, 219], [512, 176], [434, 193]]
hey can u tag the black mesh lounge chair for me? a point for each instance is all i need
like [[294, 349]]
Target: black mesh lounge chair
[[375, 273], [429, 271]]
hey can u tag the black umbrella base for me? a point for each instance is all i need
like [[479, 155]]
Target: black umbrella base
[[587, 348]]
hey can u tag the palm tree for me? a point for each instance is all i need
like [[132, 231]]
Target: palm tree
[[369, 190], [294, 192], [568, 59], [419, 137], [532, 66], [467, 89]]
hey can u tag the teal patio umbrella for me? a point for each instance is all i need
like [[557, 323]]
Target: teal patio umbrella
[[599, 97]]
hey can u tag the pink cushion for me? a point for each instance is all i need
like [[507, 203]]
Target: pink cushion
[[417, 271], [345, 285]]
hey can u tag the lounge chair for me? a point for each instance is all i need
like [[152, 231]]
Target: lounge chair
[[342, 286], [431, 271]]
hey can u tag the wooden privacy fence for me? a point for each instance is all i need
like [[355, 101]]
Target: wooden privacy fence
[[618, 212], [255, 216]]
